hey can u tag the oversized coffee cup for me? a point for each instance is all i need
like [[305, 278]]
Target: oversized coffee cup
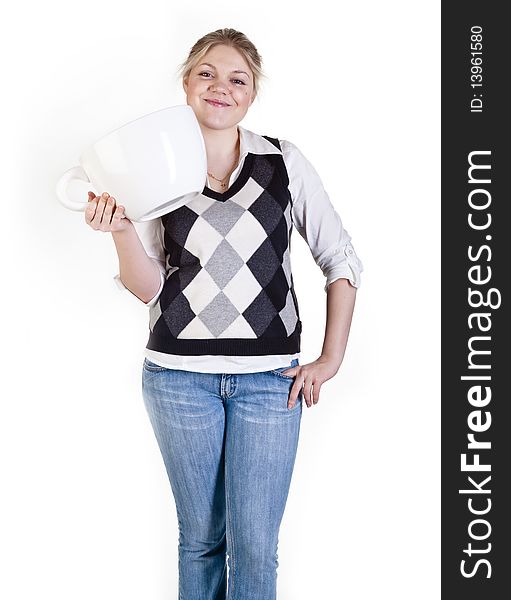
[[151, 166]]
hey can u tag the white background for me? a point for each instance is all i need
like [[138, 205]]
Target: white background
[[87, 510]]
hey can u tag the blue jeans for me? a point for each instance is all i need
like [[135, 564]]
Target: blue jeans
[[228, 442]]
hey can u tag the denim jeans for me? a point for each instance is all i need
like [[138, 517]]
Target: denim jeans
[[228, 442]]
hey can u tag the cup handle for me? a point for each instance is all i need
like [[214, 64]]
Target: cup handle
[[76, 174]]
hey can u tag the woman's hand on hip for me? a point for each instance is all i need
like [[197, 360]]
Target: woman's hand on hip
[[310, 377]]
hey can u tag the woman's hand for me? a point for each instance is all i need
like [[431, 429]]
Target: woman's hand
[[310, 376], [103, 214]]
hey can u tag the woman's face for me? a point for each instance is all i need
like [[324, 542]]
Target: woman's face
[[227, 78]]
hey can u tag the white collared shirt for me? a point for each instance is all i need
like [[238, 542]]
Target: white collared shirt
[[313, 216]]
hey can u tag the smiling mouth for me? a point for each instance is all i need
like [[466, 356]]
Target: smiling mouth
[[217, 104]]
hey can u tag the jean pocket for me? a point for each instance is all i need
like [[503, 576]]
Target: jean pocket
[[153, 367], [279, 373]]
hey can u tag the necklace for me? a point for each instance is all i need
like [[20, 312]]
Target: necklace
[[222, 185], [221, 181]]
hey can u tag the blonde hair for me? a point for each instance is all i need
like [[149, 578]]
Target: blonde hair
[[227, 37]]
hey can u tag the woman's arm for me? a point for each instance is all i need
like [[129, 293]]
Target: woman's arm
[[138, 272], [339, 312], [310, 376], [141, 259], [317, 221]]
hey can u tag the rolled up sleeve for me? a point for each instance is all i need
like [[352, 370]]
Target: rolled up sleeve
[[317, 221], [151, 235]]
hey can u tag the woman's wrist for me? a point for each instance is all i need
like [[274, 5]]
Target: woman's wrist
[[123, 233], [332, 359]]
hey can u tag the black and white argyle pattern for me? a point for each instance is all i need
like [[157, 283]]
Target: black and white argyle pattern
[[229, 288]]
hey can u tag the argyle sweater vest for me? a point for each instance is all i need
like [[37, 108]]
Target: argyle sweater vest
[[229, 288]]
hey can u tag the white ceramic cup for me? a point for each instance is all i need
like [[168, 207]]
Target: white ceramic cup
[[151, 166]]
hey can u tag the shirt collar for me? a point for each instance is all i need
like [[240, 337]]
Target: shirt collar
[[254, 143]]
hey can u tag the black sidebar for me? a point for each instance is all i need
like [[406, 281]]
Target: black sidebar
[[476, 359]]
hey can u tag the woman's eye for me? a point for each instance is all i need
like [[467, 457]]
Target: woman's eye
[[236, 80]]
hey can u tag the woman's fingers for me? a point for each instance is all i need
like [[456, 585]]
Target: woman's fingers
[[107, 214], [90, 209], [94, 210], [118, 215], [100, 208], [103, 214]]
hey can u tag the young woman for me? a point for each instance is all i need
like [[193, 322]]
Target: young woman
[[221, 379]]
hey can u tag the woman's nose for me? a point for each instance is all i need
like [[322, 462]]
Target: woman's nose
[[220, 86]]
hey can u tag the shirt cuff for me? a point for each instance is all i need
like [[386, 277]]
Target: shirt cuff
[[153, 300], [349, 266]]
